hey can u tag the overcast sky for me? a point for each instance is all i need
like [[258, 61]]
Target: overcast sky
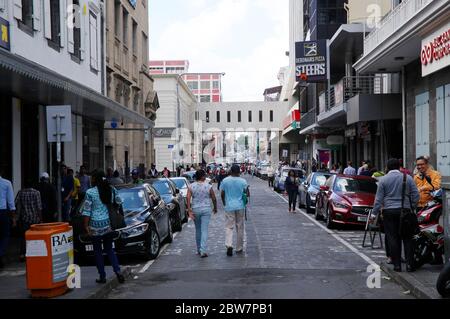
[[247, 39]]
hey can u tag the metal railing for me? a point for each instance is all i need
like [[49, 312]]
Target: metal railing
[[393, 21], [308, 119], [351, 86]]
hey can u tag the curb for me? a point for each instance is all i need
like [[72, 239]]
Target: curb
[[408, 282], [112, 283]]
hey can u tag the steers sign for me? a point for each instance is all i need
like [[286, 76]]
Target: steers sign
[[311, 59], [435, 53]]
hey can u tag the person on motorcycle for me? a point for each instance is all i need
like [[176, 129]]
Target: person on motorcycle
[[427, 180]]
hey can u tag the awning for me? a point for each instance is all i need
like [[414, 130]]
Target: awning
[[31, 82]]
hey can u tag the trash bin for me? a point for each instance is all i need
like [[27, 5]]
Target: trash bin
[[48, 256]]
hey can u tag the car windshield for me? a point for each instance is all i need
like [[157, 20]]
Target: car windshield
[[319, 180], [181, 183], [133, 199], [162, 187], [350, 185]]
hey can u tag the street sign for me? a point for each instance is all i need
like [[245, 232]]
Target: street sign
[[170, 147], [63, 114]]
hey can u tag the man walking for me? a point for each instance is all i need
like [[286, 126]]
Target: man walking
[[270, 176], [153, 173], [48, 199], [7, 210], [233, 190], [349, 170], [390, 198]]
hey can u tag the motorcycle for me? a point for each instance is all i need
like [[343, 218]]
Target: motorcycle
[[429, 242]]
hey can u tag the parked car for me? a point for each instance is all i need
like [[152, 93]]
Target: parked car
[[147, 224], [280, 178], [171, 195], [308, 190], [182, 184], [346, 199], [262, 171]]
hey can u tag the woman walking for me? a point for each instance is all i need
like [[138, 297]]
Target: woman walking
[[97, 223], [200, 196], [291, 187]]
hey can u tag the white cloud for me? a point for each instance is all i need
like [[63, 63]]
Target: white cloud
[[217, 39]]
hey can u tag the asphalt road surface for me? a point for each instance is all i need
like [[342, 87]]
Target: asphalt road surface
[[287, 256]]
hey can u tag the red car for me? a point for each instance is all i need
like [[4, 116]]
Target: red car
[[346, 199]]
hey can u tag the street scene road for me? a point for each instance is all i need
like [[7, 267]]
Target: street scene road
[[285, 256]]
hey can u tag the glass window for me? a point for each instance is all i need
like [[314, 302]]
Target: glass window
[[193, 85], [205, 98], [319, 179], [239, 116], [216, 85], [133, 199], [93, 39], [55, 22], [125, 28], [27, 13], [180, 183], [205, 85], [260, 116], [218, 116], [228, 116], [249, 116], [349, 185], [271, 116], [207, 117], [162, 187]]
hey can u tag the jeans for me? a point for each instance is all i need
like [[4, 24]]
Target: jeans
[[392, 231], [202, 218], [66, 207], [107, 241], [24, 227], [5, 229], [292, 198], [235, 218], [270, 181]]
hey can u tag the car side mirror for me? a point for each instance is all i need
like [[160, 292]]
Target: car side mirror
[[324, 188]]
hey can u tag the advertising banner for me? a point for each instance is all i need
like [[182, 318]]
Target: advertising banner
[[311, 59]]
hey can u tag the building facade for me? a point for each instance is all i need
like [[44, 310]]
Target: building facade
[[207, 87], [51, 53], [169, 67], [129, 83]]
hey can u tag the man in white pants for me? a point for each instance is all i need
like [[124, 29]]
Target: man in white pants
[[232, 191]]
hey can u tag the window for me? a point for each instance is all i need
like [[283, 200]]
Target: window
[[216, 85], [27, 13], [249, 116], [205, 85], [144, 48], [205, 98], [207, 116], [260, 116], [229, 116], [239, 116], [125, 28], [76, 50], [218, 116], [93, 40], [422, 124], [55, 24], [271, 116], [134, 38], [193, 85], [117, 14]]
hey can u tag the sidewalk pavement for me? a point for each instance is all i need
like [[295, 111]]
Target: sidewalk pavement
[[421, 283], [13, 283]]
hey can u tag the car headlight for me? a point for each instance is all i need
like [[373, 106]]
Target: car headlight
[[134, 231], [341, 206]]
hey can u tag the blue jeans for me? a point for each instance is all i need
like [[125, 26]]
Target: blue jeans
[[107, 241], [5, 229], [202, 217]]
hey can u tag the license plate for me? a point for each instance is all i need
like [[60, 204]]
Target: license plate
[[91, 247], [362, 219]]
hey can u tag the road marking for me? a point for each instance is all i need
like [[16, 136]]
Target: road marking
[[150, 263], [336, 236]]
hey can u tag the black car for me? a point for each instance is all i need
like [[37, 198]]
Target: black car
[[147, 224], [308, 190], [172, 195]]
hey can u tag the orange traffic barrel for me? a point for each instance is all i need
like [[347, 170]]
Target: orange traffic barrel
[[49, 253]]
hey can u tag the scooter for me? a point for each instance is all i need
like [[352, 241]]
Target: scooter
[[429, 242]]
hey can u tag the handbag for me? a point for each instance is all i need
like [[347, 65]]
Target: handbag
[[116, 214], [409, 225]]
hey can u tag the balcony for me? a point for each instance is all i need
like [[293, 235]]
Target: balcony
[[308, 119], [393, 21], [333, 103]]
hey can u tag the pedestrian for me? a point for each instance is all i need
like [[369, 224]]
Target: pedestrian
[[361, 168], [109, 173], [166, 173], [396, 192], [85, 181], [29, 212], [153, 173], [222, 175], [97, 223], [182, 170], [270, 176], [75, 193], [135, 177], [48, 199], [232, 191], [334, 169], [116, 180], [314, 166], [366, 171], [199, 198], [427, 180], [7, 214], [349, 170], [67, 187], [291, 186]]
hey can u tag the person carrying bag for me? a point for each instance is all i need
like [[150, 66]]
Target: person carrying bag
[[409, 225]]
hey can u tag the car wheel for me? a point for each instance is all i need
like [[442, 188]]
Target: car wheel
[[317, 215], [169, 238], [300, 204], [177, 225], [308, 205], [329, 221], [153, 245]]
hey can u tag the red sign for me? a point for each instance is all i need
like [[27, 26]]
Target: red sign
[[436, 49], [296, 116]]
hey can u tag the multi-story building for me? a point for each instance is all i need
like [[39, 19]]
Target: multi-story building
[[207, 87], [169, 67], [130, 84], [48, 57]]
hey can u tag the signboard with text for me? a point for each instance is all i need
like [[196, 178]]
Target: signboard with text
[[311, 59], [5, 41], [435, 53]]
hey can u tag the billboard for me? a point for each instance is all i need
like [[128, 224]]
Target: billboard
[[312, 58]]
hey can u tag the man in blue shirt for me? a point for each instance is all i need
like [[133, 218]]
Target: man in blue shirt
[[232, 191], [7, 209]]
